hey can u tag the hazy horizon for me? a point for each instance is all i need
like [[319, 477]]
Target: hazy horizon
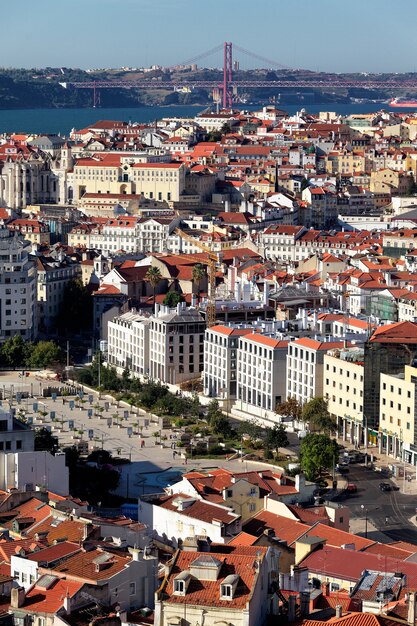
[[325, 36]]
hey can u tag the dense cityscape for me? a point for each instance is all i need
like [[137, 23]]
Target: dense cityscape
[[208, 353]]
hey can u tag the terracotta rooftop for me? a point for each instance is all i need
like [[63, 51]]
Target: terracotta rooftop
[[83, 566], [206, 593], [50, 600], [403, 332]]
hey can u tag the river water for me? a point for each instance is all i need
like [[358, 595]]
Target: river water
[[63, 120]]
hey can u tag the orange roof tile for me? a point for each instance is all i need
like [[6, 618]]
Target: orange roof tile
[[40, 600], [204, 593]]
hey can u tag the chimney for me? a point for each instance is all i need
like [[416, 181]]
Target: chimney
[[411, 616], [266, 293], [291, 608], [338, 610], [305, 603], [134, 553], [17, 598], [67, 604]]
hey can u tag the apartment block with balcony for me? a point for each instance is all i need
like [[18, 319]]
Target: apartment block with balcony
[[18, 314], [305, 362], [176, 344], [220, 361], [260, 382], [128, 343]]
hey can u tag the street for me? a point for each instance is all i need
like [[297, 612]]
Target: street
[[389, 511]]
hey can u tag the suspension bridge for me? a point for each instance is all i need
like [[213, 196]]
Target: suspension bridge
[[225, 91]]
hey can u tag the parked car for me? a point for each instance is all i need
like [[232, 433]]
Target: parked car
[[351, 488], [385, 486], [342, 469]]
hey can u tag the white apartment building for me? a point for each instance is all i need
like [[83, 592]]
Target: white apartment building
[[17, 288], [118, 233], [153, 233], [343, 387], [397, 424], [15, 436], [27, 470], [128, 343], [278, 242], [260, 379], [176, 344], [174, 518], [214, 121], [166, 346], [220, 360], [305, 367]]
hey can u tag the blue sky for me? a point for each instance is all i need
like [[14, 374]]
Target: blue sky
[[328, 35]]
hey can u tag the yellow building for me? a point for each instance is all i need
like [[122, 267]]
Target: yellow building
[[390, 181], [345, 162], [113, 174], [343, 376], [397, 414]]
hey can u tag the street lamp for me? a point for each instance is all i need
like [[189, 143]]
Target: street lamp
[[364, 509]]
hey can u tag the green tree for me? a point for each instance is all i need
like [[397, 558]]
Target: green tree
[[290, 408], [46, 441], [276, 437], [154, 277], [198, 274], [217, 420], [214, 136], [172, 299], [126, 378], [316, 414], [44, 354], [15, 351], [212, 408], [76, 310], [251, 428], [317, 452], [220, 424]]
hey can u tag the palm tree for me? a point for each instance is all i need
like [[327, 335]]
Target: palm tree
[[154, 277], [198, 275]]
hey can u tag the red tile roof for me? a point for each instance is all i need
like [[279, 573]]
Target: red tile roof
[[67, 529], [14, 548], [243, 539], [206, 593], [82, 566], [199, 509], [338, 538], [400, 332], [54, 552], [52, 599], [284, 528]]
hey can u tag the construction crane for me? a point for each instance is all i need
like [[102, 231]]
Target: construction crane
[[213, 260]]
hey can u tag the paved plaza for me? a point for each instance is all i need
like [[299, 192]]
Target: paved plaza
[[98, 419]]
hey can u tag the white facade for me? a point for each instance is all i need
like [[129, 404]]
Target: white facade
[[15, 436], [17, 288], [174, 526], [128, 343], [27, 470], [220, 361], [305, 367], [260, 379], [167, 346]]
